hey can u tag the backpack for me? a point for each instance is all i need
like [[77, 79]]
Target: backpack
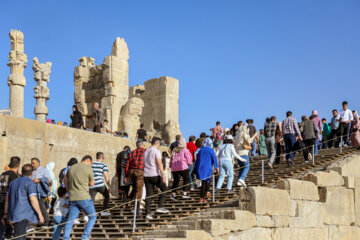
[[218, 139]]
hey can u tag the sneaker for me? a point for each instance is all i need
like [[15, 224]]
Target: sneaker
[[201, 200], [45, 226], [162, 210], [173, 198], [86, 219], [345, 145], [76, 221], [270, 165], [242, 182], [105, 214], [186, 197], [30, 229], [149, 216], [192, 189], [230, 191], [238, 183], [208, 194], [309, 156]]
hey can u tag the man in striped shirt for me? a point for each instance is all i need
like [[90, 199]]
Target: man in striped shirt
[[100, 174]]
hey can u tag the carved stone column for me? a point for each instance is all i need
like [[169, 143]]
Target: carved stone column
[[16, 79], [42, 73]]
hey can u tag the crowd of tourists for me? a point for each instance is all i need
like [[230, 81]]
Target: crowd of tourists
[[28, 199]]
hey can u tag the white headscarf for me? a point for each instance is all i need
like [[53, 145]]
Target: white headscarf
[[50, 167]]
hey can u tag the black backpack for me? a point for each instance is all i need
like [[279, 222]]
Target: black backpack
[[4, 184]]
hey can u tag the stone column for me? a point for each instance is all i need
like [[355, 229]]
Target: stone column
[[42, 73], [16, 79]]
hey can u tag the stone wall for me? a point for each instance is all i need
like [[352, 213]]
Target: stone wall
[[323, 205], [52, 143]]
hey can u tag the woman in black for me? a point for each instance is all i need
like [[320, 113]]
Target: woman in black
[[121, 161], [76, 118]]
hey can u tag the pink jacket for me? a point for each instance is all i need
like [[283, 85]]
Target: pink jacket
[[180, 160]]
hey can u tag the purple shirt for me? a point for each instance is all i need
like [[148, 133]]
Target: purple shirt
[[151, 169], [318, 123]]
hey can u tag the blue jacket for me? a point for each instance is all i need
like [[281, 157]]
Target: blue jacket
[[205, 160], [43, 188]]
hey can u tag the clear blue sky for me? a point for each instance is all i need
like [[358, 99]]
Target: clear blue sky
[[234, 59]]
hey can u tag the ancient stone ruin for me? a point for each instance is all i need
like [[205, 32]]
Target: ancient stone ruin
[[155, 103], [16, 79], [42, 73]]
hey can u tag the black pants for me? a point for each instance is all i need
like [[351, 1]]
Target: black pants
[[20, 229], [150, 182], [124, 192], [186, 179], [344, 131], [325, 141], [278, 152], [333, 137], [103, 190], [44, 212], [308, 149], [205, 186]]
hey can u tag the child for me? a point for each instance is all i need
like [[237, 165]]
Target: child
[[60, 211], [326, 133]]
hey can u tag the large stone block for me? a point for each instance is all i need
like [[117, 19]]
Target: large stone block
[[267, 201], [264, 221], [338, 205], [253, 233], [344, 233], [309, 214], [325, 179], [242, 220], [349, 181], [357, 200], [299, 234], [349, 167], [301, 190], [281, 221]]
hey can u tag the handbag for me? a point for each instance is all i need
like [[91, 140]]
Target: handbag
[[246, 145]]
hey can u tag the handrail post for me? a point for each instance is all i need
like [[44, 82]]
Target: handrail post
[[262, 171], [341, 145], [313, 154], [135, 212], [213, 197]]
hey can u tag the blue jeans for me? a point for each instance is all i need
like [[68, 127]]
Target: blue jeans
[[191, 169], [57, 229], [253, 150], [316, 147], [226, 167], [74, 210], [5, 229], [244, 167], [290, 140]]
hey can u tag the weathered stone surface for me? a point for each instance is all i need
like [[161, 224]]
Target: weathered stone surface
[[301, 190], [349, 181], [357, 200], [130, 116], [16, 79], [242, 220], [197, 234], [349, 167], [42, 73], [293, 208], [309, 214], [264, 221], [344, 233], [253, 233], [299, 234], [339, 205], [325, 179], [266, 201], [280, 221]]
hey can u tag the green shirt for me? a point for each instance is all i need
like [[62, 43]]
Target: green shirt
[[79, 176]]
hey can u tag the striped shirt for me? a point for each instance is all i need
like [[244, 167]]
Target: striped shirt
[[99, 168]]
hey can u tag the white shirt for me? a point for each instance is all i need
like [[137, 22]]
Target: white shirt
[[345, 115], [59, 209]]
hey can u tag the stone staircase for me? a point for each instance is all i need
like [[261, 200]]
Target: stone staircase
[[188, 218]]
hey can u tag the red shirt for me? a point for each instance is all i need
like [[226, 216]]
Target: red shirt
[[136, 160], [192, 149]]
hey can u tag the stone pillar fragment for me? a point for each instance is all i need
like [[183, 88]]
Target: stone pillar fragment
[[42, 73], [16, 79]]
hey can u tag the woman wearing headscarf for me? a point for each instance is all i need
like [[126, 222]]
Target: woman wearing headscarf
[[243, 146], [121, 161], [205, 162], [76, 118], [180, 160], [317, 120], [54, 184], [355, 130]]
